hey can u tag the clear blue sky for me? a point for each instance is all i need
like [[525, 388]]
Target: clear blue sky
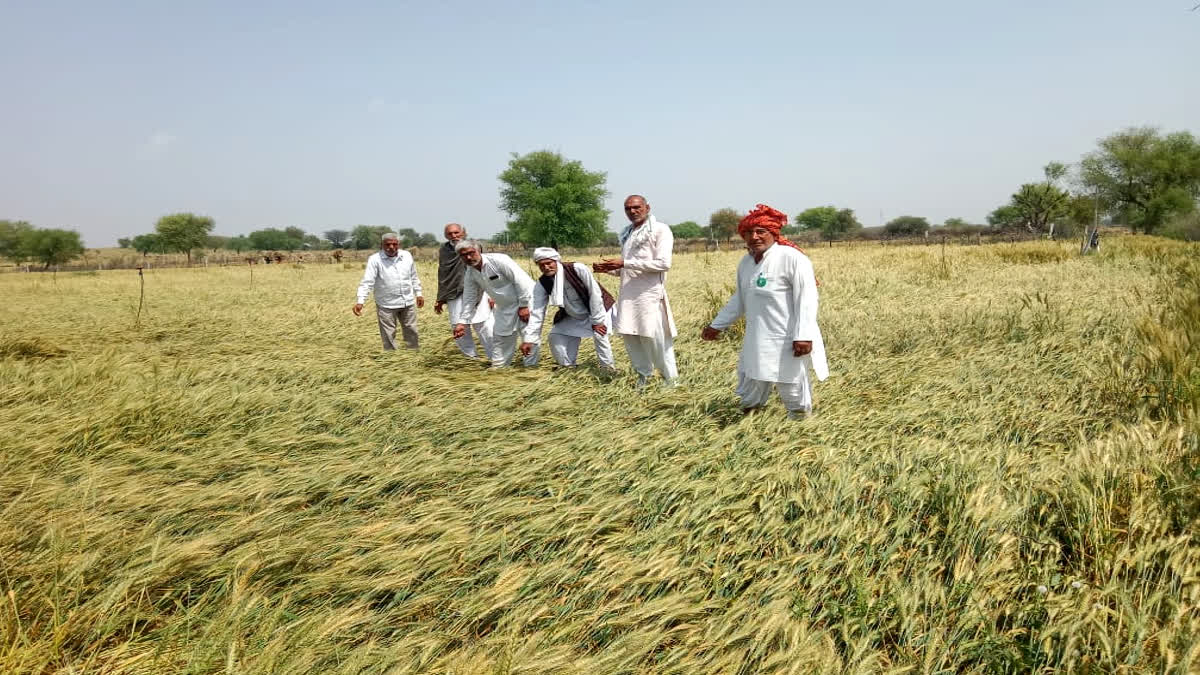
[[323, 114]]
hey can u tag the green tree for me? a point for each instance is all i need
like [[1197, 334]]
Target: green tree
[[955, 223], [240, 243], [312, 241], [426, 240], [1144, 178], [408, 237], [216, 242], [273, 239], [14, 235], [1040, 206], [367, 236], [551, 200], [295, 232], [843, 224], [688, 229], [183, 232], [125, 242], [1005, 217], [723, 223], [816, 218], [337, 238], [907, 226], [146, 243], [1081, 210], [54, 246]]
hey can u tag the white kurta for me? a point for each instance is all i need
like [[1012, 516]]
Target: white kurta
[[778, 297], [642, 307], [580, 317], [507, 284]]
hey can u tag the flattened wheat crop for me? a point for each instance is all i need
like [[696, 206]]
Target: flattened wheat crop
[[1002, 477]]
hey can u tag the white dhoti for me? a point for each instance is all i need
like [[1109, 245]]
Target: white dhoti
[[504, 347], [481, 322], [565, 349], [647, 352], [796, 396]]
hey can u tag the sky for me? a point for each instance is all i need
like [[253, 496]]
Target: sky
[[326, 115]]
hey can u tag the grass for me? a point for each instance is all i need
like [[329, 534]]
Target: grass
[[1003, 478]]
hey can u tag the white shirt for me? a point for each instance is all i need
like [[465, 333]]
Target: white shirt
[[580, 316], [778, 296], [507, 284], [394, 279]]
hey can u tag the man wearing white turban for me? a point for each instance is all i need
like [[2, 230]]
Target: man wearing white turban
[[582, 311]]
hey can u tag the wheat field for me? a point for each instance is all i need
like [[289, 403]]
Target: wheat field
[[1004, 476]]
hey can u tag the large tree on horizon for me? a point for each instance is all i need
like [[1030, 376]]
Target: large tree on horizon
[[183, 232], [553, 201]]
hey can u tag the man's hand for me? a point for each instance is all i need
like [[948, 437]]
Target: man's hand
[[460, 329], [523, 314], [420, 301], [608, 265], [801, 347], [600, 329], [525, 348], [437, 307], [709, 333], [358, 309]]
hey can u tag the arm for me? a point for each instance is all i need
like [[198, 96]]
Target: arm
[[537, 315], [524, 283], [368, 280], [804, 303], [416, 283], [470, 298], [664, 241], [803, 327]]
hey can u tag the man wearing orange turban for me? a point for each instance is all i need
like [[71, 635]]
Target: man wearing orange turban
[[777, 293]]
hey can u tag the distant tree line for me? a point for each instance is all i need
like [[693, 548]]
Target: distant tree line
[[21, 241], [1138, 177], [185, 232]]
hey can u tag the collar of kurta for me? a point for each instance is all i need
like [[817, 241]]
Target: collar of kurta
[[639, 233]]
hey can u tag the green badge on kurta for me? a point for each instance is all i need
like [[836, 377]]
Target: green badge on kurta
[[760, 281]]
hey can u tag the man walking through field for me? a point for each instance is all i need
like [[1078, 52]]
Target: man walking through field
[[777, 293], [643, 316], [451, 270], [582, 313], [508, 286], [392, 274]]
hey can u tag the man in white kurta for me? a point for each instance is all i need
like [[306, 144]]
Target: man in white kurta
[[392, 275], [451, 270], [580, 315], [509, 287], [643, 313], [777, 293]]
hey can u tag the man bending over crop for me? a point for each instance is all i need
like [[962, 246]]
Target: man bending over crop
[[582, 310], [508, 286]]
